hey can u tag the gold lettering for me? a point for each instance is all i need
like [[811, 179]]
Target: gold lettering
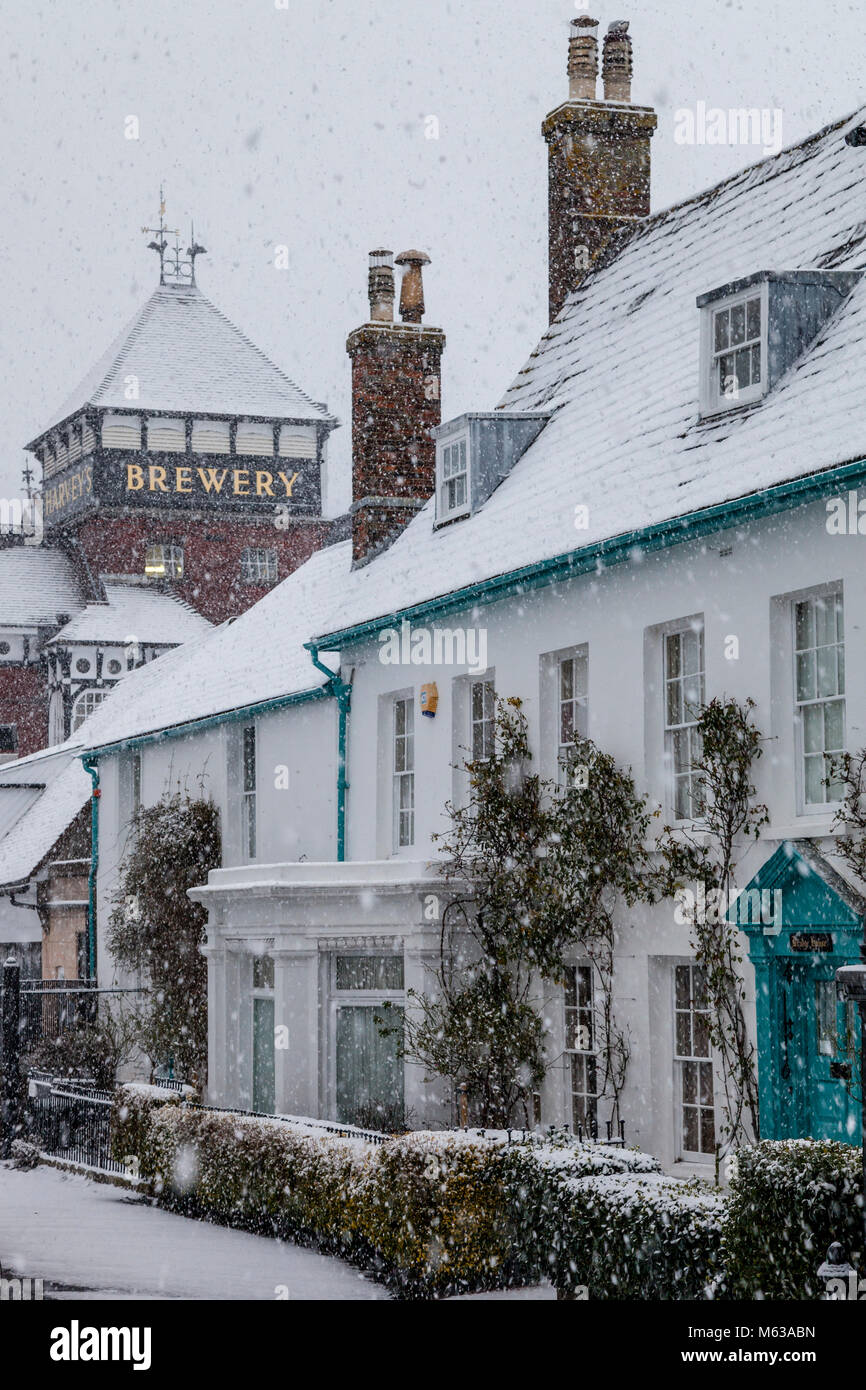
[[182, 475], [287, 484], [209, 479], [264, 489], [241, 473], [134, 477], [157, 478]]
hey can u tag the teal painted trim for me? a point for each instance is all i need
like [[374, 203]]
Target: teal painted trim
[[91, 766], [342, 693], [807, 899], [196, 726], [661, 535]]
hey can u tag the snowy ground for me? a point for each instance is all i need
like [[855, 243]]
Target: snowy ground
[[93, 1240]]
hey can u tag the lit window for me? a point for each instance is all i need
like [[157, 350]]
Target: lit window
[[735, 360], [404, 773], [819, 678], [164, 562], [84, 706], [692, 1061], [684, 699], [483, 720], [249, 792], [453, 479], [580, 1045], [258, 566]]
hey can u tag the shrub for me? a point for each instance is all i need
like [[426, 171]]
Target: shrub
[[24, 1155], [134, 1104], [790, 1199], [607, 1219]]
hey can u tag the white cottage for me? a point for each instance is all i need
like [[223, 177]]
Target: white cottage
[[650, 517]]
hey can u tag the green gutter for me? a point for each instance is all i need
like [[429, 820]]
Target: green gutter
[[616, 550], [91, 766], [196, 726], [342, 693]]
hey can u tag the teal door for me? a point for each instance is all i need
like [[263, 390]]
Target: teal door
[[369, 1068], [817, 1054], [803, 922], [263, 1056]]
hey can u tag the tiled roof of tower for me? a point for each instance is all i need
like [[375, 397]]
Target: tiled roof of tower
[[187, 356], [134, 610], [619, 370], [36, 584]]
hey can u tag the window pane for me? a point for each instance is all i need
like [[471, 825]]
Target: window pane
[[738, 324], [840, 670], [708, 1132], [400, 716], [369, 972], [683, 1035], [744, 368], [566, 684], [756, 364], [813, 729], [706, 1078], [834, 726], [814, 776], [690, 1083], [702, 1035], [806, 675], [690, 1129], [805, 626], [753, 319], [674, 703], [721, 336], [825, 622], [672, 649], [682, 978], [566, 724]]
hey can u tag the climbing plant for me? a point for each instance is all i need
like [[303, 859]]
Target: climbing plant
[[156, 929], [704, 853]]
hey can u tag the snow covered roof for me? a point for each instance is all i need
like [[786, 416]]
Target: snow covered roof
[[36, 583], [619, 369], [134, 611], [46, 814], [619, 372], [257, 657], [187, 356]]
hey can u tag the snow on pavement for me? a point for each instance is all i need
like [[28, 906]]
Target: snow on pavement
[[102, 1241]]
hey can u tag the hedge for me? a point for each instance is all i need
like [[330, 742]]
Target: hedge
[[439, 1213], [789, 1199]]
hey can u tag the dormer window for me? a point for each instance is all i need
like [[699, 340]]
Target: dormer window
[[454, 479], [756, 329], [735, 351]]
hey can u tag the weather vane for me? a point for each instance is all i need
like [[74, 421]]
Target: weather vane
[[175, 266]]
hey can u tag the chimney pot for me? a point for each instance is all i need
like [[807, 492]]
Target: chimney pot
[[616, 64], [412, 289], [583, 58], [381, 286]]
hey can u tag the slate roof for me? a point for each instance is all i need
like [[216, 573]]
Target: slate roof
[[134, 610], [36, 583], [188, 356], [619, 369], [46, 815]]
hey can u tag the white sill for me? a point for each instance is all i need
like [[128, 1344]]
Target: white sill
[[456, 515], [809, 825]]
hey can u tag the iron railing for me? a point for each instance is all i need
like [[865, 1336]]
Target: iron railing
[[74, 1123], [372, 1136]]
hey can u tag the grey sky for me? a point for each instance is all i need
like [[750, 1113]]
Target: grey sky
[[305, 127]]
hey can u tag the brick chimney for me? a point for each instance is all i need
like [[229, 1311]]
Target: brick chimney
[[598, 157], [396, 401]]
